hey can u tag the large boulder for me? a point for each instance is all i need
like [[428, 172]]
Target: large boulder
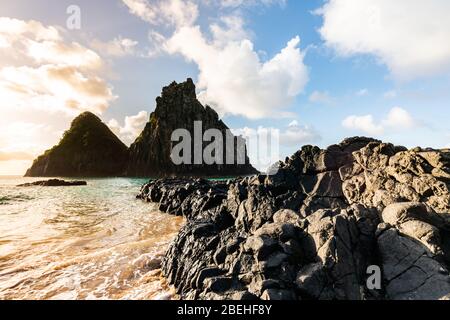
[[409, 271]]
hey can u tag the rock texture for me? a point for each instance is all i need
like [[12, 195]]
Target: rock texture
[[87, 149], [311, 230], [177, 108], [54, 183]]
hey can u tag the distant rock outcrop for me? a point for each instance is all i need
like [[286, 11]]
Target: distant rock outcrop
[[88, 149], [317, 229], [177, 108], [54, 183]]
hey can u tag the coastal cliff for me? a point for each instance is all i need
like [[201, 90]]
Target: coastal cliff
[[88, 149], [178, 108], [316, 229]]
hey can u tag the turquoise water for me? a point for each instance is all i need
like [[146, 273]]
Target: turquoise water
[[85, 242]]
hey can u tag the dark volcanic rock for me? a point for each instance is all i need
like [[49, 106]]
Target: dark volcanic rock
[[54, 183], [87, 149], [312, 230], [178, 108]]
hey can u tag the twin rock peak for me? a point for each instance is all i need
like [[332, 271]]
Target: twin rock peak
[[90, 149]]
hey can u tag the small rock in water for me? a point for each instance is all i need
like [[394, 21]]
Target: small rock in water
[[54, 183]]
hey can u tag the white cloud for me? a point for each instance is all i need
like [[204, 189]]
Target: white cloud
[[233, 77], [362, 92], [11, 28], [409, 36], [264, 144], [297, 135], [157, 43], [230, 29], [396, 119], [293, 123], [52, 88], [391, 94], [39, 70], [164, 12], [59, 52], [239, 3], [133, 126], [363, 123], [399, 118], [320, 97], [118, 47], [235, 81], [293, 135]]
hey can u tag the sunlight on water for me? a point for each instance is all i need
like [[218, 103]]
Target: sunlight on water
[[89, 242]]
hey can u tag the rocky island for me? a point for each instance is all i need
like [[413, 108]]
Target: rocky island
[[316, 229], [90, 149], [178, 108]]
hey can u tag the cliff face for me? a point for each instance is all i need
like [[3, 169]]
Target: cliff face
[[87, 149], [177, 108], [319, 228]]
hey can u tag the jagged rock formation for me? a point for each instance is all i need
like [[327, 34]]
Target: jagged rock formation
[[54, 183], [177, 108], [90, 149], [311, 230], [87, 149]]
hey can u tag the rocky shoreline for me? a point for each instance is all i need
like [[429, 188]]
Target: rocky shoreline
[[315, 228]]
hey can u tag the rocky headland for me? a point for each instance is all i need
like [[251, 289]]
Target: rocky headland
[[317, 228]]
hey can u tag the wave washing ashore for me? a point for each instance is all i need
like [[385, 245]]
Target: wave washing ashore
[[83, 242]]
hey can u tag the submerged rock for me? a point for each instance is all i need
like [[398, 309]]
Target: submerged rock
[[313, 229], [54, 183]]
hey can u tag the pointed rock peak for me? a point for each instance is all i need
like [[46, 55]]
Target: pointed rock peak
[[86, 118], [87, 115], [178, 108], [186, 89], [88, 149]]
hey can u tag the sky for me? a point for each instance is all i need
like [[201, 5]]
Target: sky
[[316, 70]]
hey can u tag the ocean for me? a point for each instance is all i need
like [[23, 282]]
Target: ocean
[[87, 242]]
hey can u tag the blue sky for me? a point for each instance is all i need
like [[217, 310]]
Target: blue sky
[[360, 68]]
